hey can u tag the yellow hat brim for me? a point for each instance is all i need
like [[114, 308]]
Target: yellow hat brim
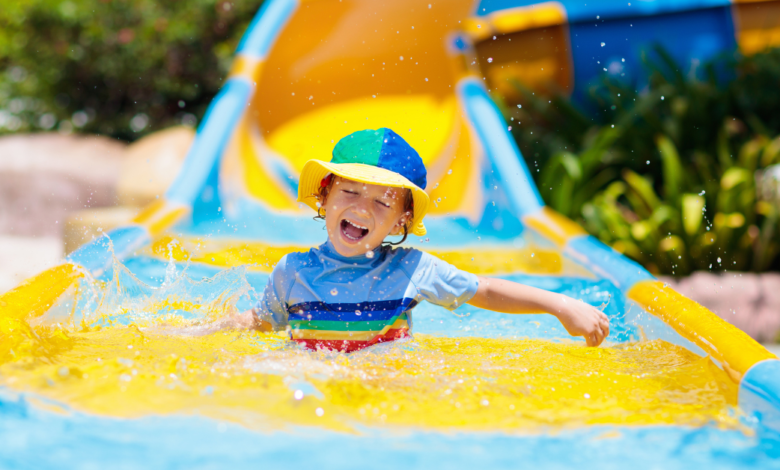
[[315, 170]]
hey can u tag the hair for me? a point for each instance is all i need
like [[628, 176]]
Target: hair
[[327, 185]]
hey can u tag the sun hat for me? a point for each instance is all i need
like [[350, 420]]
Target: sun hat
[[370, 156]]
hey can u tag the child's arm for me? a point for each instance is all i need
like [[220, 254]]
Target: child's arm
[[579, 318]]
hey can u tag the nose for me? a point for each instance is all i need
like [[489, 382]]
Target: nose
[[361, 207]]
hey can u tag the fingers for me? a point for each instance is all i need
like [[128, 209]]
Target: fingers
[[599, 332], [605, 328]]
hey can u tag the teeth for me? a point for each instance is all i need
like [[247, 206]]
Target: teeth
[[356, 225]]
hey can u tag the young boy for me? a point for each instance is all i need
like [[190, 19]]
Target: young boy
[[355, 290]]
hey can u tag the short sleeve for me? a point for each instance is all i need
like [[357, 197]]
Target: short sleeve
[[272, 306], [443, 284]]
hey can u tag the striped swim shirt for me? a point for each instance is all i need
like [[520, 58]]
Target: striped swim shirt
[[329, 301]]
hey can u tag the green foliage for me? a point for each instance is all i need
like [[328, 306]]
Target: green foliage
[[121, 67], [692, 228], [653, 172], [684, 107]]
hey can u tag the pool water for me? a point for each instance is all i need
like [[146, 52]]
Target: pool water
[[128, 354]]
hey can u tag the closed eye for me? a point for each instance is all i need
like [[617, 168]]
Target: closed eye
[[381, 203], [348, 191]]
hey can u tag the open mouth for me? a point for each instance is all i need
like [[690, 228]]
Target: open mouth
[[352, 231]]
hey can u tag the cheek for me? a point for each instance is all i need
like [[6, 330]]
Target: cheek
[[391, 218]]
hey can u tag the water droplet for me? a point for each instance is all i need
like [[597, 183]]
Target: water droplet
[[369, 254], [587, 395], [702, 193], [358, 312], [603, 44], [718, 259], [662, 98], [298, 395], [449, 172], [490, 60], [648, 162], [319, 412], [334, 291], [509, 128], [519, 106]]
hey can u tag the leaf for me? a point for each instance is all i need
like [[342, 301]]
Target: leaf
[[749, 153], [559, 178], [692, 205], [648, 201], [673, 172], [771, 152], [732, 177]]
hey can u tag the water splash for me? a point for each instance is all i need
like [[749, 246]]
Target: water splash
[[133, 349]]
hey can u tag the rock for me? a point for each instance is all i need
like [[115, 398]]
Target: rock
[[151, 164], [23, 257], [44, 177]]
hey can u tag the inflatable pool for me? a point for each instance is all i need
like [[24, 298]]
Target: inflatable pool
[[101, 359]]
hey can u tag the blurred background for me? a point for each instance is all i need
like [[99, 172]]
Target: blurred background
[[674, 165]]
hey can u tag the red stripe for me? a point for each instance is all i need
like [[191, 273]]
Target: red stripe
[[349, 345]]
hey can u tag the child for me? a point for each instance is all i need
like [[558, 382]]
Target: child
[[356, 290]]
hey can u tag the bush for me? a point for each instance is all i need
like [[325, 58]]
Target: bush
[[710, 215], [121, 68], [689, 109], [638, 169]]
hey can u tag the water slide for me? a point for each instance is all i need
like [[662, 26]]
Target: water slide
[[99, 360]]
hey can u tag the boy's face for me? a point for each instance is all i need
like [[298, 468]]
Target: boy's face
[[359, 216]]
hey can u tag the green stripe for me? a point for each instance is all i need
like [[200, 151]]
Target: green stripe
[[376, 325], [359, 147]]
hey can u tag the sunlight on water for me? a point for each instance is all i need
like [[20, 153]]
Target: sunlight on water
[[124, 348]]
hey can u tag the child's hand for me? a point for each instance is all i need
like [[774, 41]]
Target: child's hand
[[581, 319]]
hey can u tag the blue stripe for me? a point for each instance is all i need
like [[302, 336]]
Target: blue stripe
[[507, 161], [382, 310], [622, 46], [759, 393], [96, 256], [606, 262], [603, 9], [265, 27], [217, 127]]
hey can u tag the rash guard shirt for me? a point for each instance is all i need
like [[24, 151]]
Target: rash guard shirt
[[348, 303]]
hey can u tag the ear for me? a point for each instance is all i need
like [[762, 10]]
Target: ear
[[398, 228]]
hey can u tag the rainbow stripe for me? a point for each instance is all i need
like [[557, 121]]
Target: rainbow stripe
[[349, 327]]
